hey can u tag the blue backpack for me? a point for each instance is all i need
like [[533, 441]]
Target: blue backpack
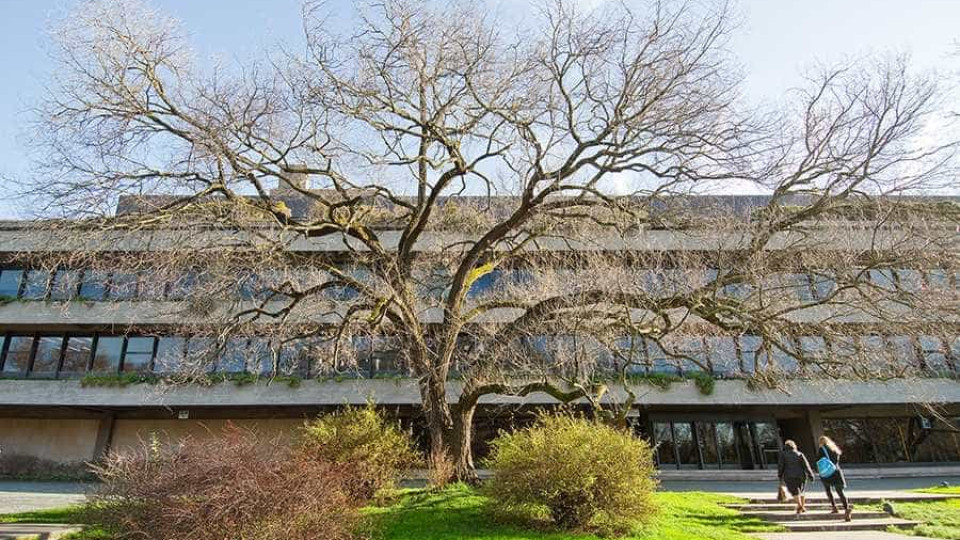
[[825, 466]]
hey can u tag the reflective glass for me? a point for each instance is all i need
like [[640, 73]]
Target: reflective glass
[[138, 354], [18, 354], [65, 285], [170, 354], [93, 285], [77, 355], [35, 284], [123, 286], [106, 357], [664, 441], [10, 283], [47, 356]]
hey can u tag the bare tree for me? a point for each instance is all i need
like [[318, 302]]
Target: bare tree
[[438, 150]]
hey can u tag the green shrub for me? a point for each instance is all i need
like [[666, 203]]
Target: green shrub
[[362, 441], [579, 473]]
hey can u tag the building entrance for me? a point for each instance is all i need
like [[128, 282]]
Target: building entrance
[[696, 444]]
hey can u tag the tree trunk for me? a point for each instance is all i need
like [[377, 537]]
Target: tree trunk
[[462, 449], [451, 431]]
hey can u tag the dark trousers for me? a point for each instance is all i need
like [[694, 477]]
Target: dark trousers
[[843, 498]]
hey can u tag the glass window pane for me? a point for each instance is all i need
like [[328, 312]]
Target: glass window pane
[[139, 353], [683, 438], [35, 285], [934, 355], [152, 286], [201, 354], [938, 278], [904, 350], [107, 355], [693, 354], [752, 355], [723, 355], [822, 285], [882, 278], [48, 355], [170, 354], [233, 358], [93, 286], [910, 280], [10, 283], [485, 284], [18, 354], [65, 285], [294, 358], [77, 355], [783, 355], [664, 442], [660, 361], [123, 286], [261, 356]]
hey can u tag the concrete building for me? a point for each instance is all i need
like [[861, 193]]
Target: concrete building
[[68, 336]]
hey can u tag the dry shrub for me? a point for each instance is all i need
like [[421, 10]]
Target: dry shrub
[[360, 440], [235, 485], [578, 473], [440, 470]]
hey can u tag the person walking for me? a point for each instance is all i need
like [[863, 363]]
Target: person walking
[[828, 465], [794, 470]]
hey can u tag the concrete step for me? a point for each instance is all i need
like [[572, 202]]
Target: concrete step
[[791, 515], [855, 525], [866, 499], [762, 507]]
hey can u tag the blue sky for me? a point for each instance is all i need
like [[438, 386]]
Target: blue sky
[[778, 39]]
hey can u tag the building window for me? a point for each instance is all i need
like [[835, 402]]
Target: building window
[[138, 354], [65, 285], [17, 358], [35, 285], [660, 361], [934, 355], [76, 357], [753, 357], [106, 359], [171, 352], [93, 285], [10, 283], [47, 357], [723, 355], [123, 286]]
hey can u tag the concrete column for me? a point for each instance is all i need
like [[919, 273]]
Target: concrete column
[[104, 436]]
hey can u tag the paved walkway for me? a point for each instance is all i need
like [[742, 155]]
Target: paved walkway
[[851, 535], [44, 532], [28, 496], [865, 487]]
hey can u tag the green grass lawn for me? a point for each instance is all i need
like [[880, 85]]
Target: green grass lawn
[[948, 490], [67, 514], [459, 513], [939, 519]]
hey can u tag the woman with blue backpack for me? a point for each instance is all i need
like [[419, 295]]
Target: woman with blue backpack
[[828, 466]]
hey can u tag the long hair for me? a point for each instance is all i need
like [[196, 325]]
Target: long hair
[[832, 446]]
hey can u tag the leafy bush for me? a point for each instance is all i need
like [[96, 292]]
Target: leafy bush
[[578, 473], [234, 485], [363, 442]]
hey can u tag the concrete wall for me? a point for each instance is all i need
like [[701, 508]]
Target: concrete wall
[[128, 433], [61, 440]]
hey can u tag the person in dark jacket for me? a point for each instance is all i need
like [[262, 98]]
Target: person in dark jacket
[[794, 471], [835, 481]]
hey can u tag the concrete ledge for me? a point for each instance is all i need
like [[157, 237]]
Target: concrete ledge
[[70, 393]]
